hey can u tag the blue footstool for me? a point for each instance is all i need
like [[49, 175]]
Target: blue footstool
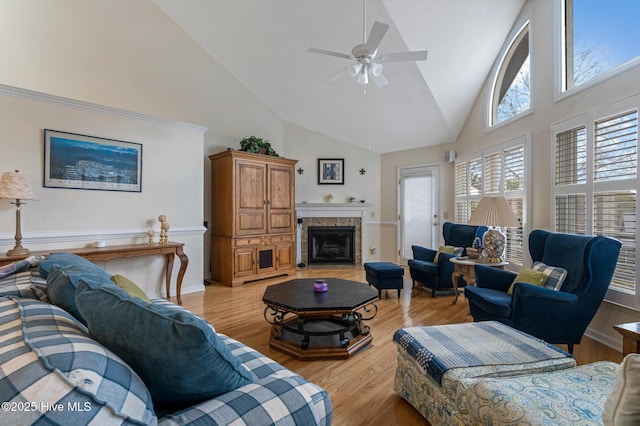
[[384, 276]]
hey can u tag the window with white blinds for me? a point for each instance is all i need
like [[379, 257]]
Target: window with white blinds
[[493, 173], [514, 168], [571, 214], [616, 148], [462, 212], [571, 157], [461, 179], [515, 236], [498, 171], [596, 181], [475, 176]]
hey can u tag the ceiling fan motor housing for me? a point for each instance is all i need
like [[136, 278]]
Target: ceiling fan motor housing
[[363, 55]]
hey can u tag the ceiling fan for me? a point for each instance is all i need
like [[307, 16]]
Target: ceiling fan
[[367, 64]]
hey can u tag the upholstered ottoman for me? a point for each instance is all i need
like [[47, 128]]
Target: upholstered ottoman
[[384, 276], [434, 363]]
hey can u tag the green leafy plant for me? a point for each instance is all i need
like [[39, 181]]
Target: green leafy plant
[[257, 145]]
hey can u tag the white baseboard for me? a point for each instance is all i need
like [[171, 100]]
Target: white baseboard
[[193, 288], [606, 339]]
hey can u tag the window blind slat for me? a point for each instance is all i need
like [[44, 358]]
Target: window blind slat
[[615, 215], [571, 153], [475, 177], [492, 173], [615, 155], [461, 179], [514, 168]]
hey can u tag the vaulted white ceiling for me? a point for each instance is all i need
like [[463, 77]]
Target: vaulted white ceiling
[[264, 44]]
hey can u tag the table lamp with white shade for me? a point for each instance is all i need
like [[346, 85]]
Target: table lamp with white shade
[[494, 212], [17, 186]]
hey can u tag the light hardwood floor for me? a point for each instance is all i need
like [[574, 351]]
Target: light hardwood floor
[[361, 388]]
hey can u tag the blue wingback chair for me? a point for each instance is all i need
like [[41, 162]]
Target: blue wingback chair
[[438, 276], [558, 317]]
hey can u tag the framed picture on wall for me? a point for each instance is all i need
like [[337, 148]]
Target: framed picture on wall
[[331, 171], [88, 162]]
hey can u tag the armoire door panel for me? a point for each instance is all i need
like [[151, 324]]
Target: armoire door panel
[[280, 222], [250, 223], [280, 179]]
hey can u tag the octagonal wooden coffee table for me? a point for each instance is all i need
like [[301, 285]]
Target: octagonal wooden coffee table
[[309, 325]]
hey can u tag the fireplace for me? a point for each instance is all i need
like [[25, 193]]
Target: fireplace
[[333, 245], [331, 215]]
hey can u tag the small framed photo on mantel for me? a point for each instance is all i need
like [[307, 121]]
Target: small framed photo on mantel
[[331, 171]]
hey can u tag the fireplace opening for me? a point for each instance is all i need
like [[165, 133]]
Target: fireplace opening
[[331, 245]]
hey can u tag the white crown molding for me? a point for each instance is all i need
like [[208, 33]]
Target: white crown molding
[[87, 106], [99, 235]]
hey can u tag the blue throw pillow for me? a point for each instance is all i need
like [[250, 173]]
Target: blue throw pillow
[[62, 260], [62, 283], [177, 354]]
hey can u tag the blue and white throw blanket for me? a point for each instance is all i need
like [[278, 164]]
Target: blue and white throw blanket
[[20, 265], [442, 347]]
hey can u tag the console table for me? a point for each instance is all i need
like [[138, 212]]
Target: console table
[[170, 250], [630, 337], [466, 268]]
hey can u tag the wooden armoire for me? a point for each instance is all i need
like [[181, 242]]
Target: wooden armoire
[[252, 217]]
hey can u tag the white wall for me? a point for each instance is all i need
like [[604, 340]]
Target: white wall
[[432, 155], [129, 55], [172, 184], [547, 111], [307, 147]]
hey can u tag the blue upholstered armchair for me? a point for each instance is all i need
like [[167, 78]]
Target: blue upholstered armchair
[[437, 276], [557, 316]]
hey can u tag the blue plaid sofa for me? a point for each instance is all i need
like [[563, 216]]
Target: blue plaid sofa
[[54, 371]]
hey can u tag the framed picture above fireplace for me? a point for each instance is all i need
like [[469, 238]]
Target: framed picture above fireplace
[[330, 171]]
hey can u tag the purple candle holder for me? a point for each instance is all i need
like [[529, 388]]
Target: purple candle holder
[[320, 286]]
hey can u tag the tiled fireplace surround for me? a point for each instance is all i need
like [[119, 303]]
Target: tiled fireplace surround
[[328, 214]]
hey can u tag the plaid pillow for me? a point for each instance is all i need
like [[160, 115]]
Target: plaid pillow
[[28, 284], [51, 367], [555, 273]]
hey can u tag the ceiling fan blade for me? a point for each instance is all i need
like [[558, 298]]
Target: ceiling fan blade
[[330, 53], [375, 36], [336, 76], [420, 55], [379, 80]]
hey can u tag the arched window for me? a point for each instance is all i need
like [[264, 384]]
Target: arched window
[[511, 90]]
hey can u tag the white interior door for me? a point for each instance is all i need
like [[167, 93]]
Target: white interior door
[[419, 206]]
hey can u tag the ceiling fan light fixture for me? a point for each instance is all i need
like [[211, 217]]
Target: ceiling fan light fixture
[[375, 69], [363, 77], [365, 53], [354, 69]]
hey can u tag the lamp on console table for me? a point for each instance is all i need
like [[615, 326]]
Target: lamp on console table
[[16, 186], [494, 212]]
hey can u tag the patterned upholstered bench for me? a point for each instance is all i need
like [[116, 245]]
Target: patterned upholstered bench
[[565, 397], [435, 364]]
